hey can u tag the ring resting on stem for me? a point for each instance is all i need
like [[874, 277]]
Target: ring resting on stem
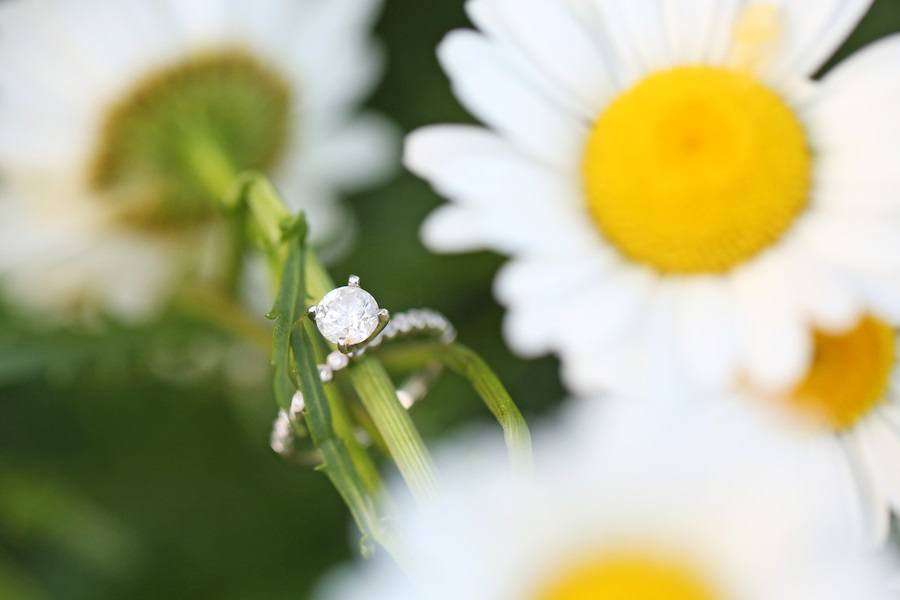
[[350, 318]]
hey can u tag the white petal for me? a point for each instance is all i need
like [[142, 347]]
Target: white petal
[[606, 309], [775, 339], [550, 35], [876, 514], [487, 86], [881, 448], [359, 153], [860, 176], [522, 206], [643, 343], [487, 17], [530, 330], [829, 300], [538, 294], [428, 149], [814, 30], [338, 78], [706, 330], [637, 33], [451, 228], [199, 22], [881, 294], [857, 110], [699, 31], [544, 281], [859, 244]]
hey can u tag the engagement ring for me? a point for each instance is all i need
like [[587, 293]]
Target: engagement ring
[[350, 318]]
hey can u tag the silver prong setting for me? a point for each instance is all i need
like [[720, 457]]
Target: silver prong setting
[[384, 317], [353, 281]]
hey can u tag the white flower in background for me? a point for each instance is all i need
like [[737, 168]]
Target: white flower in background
[[677, 193], [636, 511], [849, 400], [124, 120]]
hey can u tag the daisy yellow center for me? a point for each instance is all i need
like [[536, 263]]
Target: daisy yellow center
[[627, 578], [849, 375], [170, 147], [696, 170]]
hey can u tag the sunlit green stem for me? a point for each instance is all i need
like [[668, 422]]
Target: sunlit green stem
[[379, 397], [344, 428], [212, 168], [337, 462], [301, 280], [318, 281], [295, 357], [469, 365], [211, 307], [217, 174]]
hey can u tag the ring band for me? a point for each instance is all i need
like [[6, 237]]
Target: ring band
[[420, 322], [350, 318]]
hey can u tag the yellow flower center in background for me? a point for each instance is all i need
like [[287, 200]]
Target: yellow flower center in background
[[849, 375], [696, 170], [627, 577], [170, 148]]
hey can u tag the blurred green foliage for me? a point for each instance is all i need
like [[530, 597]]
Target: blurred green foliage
[[134, 466]]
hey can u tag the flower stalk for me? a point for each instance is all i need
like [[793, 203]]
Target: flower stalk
[[337, 461], [297, 350], [379, 397], [467, 364]]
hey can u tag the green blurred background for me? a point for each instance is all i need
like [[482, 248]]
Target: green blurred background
[[124, 474]]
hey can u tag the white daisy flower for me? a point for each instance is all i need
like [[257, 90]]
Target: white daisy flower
[[124, 120], [849, 401], [673, 186], [632, 511]]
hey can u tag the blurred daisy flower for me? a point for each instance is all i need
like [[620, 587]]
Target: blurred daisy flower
[[609, 515], [849, 398], [124, 121], [677, 192]]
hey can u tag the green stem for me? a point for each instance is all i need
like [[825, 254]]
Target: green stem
[[302, 279], [337, 462], [318, 280], [219, 311], [344, 428], [270, 222], [379, 397], [213, 168], [234, 267], [469, 365], [217, 174]]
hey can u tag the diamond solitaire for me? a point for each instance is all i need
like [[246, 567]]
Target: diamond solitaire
[[348, 316]]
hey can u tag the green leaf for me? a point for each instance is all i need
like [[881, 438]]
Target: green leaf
[[288, 307], [283, 238]]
